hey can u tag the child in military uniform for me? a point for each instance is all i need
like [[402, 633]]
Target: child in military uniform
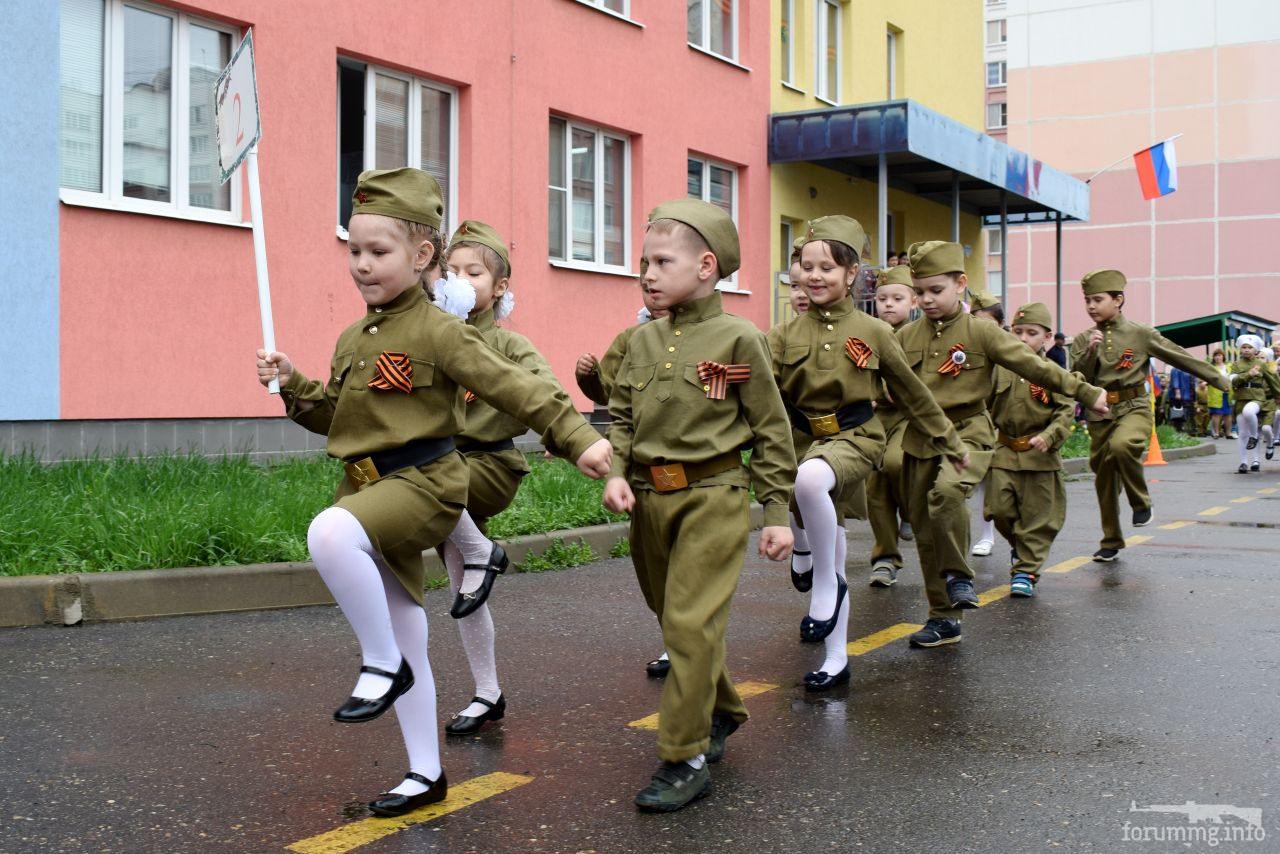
[[956, 356], [895, 299], [830, 364], [984, 306], [391, 405], [1116, 354], [1025, 496], [1254, 387], [595, 379], [693, 391]]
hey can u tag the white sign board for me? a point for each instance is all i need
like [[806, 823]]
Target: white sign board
[[236, 103]]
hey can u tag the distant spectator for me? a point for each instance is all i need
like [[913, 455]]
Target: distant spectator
[[1058, 352], [1180, 397], [893, 260]]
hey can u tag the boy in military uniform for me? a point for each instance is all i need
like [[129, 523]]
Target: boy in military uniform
[[1025, 496], [895, 299], [1116, 355], [693, 391], [1254, 387], [956, 356], [390, 407]]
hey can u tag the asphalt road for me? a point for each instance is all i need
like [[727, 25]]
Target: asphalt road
[[1152, 681]]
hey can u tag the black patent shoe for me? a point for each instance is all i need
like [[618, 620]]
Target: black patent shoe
[[1105, 555], [1251, 444], [1255, 467], [392, 805], [658, 668], [466, 725], [356, 710], [802, 581], [816, 631], [466, 603], [821, 680], [1244, 469]]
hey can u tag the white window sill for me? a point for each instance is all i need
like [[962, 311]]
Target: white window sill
[[726, 60], [824, 99], [588, 267], [611, 13], [730, 289], [793, 87], [82, 199]]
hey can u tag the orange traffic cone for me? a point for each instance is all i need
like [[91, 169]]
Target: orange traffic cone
[[1154, 456]]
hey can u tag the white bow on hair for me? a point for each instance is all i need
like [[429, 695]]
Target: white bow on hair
[[505, 306], [643, 315], [1252, 340], [454, 295]]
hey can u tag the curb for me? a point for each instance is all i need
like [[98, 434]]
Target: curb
[[94, 597], [35, 600]]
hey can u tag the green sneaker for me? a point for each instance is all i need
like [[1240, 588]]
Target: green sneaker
[[674, 786], [722, 726]]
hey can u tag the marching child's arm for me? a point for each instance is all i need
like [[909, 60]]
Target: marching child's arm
[[310, 403], [618, 496], [1059, 429], [773, 460], [1166, 351], [1084, 351], [587, 374], [1005, 349], [911, 394]]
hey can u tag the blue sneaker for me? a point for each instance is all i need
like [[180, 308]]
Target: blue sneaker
[[1022, 586], [960, 592], [936, 632]]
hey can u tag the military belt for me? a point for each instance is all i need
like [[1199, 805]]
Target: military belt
[[1020, 444], [822, 426], [671, 477], [413, 454], [1125, 393], [468, 447]]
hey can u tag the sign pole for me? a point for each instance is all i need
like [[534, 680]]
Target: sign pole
[[260, 260]]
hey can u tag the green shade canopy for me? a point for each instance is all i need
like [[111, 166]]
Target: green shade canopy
[[1217, 329]]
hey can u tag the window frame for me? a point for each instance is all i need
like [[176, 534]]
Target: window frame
[[788, 11], [993, 241], [1004, 124], [729, 284], [1003, 77], [821, 42], [734, 22], [891, 65], [601, 133], [413, 137], [1004, 32], [111, 196]]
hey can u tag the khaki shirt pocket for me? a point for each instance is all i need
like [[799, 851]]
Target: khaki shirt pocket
[[639, 377], [915, 358], [424, 372], [339, 369], [975, 362], [1003, 383]]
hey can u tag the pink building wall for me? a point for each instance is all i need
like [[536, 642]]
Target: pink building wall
[[1209, 247], [159, 316]]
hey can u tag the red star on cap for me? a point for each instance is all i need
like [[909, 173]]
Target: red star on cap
[[362, 197]]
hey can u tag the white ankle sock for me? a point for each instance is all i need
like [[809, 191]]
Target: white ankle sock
[[410, 787], [697, 761], [814, 482], [801, 563]]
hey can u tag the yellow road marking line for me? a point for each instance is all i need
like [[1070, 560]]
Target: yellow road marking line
[[875, 640], [1173, 526], [1214, 511], [995, 594], [746, 690], [1244, 500], [1070, 564], [1137, 540], [1268, 490], [362, 832]]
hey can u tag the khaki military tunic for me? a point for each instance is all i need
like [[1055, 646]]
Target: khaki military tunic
[[1264, 388], [410, 510], [936, 493], [885, 506], [1118, 440], [688, 545], [1025, 494]]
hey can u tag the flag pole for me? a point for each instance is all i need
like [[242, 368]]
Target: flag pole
[[1089, 180]]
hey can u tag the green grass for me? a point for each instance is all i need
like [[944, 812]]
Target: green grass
[[179, 510], [1077, 445]]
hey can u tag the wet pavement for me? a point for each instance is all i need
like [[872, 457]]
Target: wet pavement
[[1151, 681]]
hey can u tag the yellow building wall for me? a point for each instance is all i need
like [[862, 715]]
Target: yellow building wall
[[939, 63]]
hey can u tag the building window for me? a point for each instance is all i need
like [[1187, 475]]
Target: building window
[[891, 71], [589, 196], [411, 122], [786, 233], [136, 104], [995, 283], [787, 36], [997, 32], [993, 241], [618, 7], [713, 26], [828, 43], [718, 184], [997, 115], [996, 73]]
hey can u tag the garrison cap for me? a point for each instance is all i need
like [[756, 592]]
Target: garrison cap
[[843, 229], [935, 257], [981, 300], [475, 231], [1103, 282], [1033, 312], [715, 226], [405, 193], [899, 275]]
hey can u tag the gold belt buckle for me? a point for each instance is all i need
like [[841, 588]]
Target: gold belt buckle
[[363, 471], [824, 425], [668, 478], [1113, 397], [1022, 443]]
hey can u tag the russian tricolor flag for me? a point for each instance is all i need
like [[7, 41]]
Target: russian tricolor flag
[[1157, 169]]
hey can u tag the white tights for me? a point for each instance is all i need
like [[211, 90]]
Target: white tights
[[470, 542], [389, 625], [1247, 424], [814, 482], [476, 630]]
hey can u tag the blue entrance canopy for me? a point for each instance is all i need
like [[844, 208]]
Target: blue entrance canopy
[[929, 155]]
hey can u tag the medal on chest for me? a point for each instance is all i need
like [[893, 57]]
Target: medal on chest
[[1126, 359], [954, 362]]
